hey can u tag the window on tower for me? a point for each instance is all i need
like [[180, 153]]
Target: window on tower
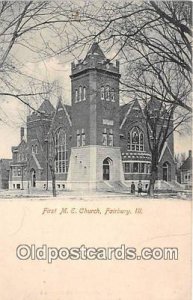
[[78, 138], [102, 93], [107, 93], [84, 93], [136, 139], [83, 138], [110, 137], [80, 93], [104, 141]]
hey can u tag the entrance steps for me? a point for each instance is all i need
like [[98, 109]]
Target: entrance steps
[[169, 186], [112, 186]]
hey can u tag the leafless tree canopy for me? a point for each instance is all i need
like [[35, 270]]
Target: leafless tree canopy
[[152, 39]]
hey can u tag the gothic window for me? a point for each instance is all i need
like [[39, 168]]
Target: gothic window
[[102, 93], [135, 167], [136, 139], [141, 140], [32, 149], [104, 141], [127, 167], [107, 93], [83, 138], [84, 93], [36, 149], [76, 95], [110, 137], [143, 165], [61, 162], [80, 93], [113, 95], [78, 138]]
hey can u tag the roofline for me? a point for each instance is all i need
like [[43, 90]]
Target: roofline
[[126, 115], [95, 69]]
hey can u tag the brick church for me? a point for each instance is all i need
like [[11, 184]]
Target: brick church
[[93, 144]]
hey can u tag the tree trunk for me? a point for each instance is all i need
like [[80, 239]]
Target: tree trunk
[[153, 178], [154, 172], [53, 181]]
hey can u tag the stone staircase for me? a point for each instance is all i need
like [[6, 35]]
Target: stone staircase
[[173, 186], [112, 186]]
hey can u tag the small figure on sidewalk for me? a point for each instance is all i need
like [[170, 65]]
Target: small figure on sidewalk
[[139, 188], [132, 188]]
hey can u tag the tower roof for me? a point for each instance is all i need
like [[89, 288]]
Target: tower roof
[[95, 58], [96, 51]]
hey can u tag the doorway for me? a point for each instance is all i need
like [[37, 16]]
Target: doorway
[[106, 168], [33, 178], [166, 171]]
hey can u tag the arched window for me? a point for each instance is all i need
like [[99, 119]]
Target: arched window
[[102, 93], [84, 93], [106, 168], [166, 171], [107, 93], [80, 93], [113, 95], [32, 149], [61, 161], [76, 95], [136, 139]]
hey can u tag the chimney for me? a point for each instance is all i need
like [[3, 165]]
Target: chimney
[[22, 133], [190, 153]]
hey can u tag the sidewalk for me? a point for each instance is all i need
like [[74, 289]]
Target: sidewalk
[[86, 195]]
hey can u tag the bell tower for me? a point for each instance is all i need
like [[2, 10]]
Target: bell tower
[[95, 154]]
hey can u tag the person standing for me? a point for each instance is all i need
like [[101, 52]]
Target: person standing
[[139, 188], [133, 188]]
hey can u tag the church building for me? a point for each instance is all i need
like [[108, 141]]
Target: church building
[[93, 144]]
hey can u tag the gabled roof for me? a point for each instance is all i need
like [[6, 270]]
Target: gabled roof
[[187, 164], [65, 108], [126, 109], [69, 109], [46, 107], [166, 147], [15, 148], [36, 161], [123, 111]]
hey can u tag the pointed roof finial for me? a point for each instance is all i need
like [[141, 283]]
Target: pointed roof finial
[[95, 50]]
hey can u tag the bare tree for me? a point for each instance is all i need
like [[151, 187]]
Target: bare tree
[[30, 29], [151, 39], [161, 122]]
